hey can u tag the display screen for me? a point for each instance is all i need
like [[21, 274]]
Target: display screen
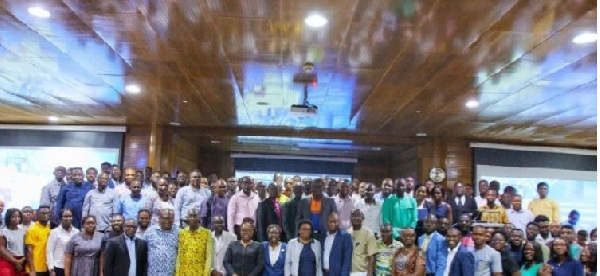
[[572, 190], [27, 169]]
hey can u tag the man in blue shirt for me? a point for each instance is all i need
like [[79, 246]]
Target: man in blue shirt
[[129, 204], [72, 196], [431, 242], [91, 176]]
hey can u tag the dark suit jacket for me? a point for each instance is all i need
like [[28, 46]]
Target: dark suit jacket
[[463, 262], [340, 256], [265, 216], [116, 257], [327, 207], [278, 268], [469, 206]]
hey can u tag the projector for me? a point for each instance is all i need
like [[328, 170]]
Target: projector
[[303, 110]]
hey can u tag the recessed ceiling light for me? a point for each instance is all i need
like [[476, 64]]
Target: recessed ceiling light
[[472, 104], [585, 38], [39, 12], [376, 148], [175, 123], [215, 142], [133, 88], [184, 101], [421, 134], [315, 21], [52, 118], [262, 103]]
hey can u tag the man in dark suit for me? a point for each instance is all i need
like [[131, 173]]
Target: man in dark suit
[[457, 259], [269, 212], [125, 254], [337, 249], [461, 203], [316, 209]]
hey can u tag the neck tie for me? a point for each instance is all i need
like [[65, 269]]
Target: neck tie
[[460, 203]]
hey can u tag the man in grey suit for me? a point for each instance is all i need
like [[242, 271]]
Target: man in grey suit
[[316, 209]]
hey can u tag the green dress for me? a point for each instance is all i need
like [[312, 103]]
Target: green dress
[[531, 271]]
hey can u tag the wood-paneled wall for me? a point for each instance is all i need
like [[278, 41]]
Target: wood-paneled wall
[[217, 162], [136, 147], [182, 153], [406, 163], [371, 169]]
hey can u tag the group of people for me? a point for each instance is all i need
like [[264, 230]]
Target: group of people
[[145, 223]]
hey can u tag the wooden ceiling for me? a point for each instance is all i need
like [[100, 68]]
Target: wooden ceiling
[[386, 68]]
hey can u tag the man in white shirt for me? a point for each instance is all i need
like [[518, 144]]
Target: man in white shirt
[[518, 216], [221, 239]]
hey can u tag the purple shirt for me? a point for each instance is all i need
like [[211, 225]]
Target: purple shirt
[[217, 207]]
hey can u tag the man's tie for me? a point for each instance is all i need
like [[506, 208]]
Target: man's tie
[[460, 203]]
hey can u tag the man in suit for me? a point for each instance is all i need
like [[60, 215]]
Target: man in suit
[[125, 254], [457, 259], [317, 209], [269, 212], [337, 249], [461, 203], [431, 242]]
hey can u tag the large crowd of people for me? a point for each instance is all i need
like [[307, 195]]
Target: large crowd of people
[[146, 223]]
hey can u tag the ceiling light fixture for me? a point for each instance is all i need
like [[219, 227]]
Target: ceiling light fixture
[[538, 139], [52, 118], [133, 88], [215, 142], [585, 38], [184, 101], [39, 12], [315, 20], [472, 104], [421, 134], [376, 148], [175, 123]]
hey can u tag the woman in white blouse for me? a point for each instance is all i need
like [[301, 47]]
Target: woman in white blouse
[[57, 241], [274, 252]]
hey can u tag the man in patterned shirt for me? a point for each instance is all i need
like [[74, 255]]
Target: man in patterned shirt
[[163, 242], [195, 248], [386, 247]]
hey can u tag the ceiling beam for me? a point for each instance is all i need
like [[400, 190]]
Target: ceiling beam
[[215, 132]]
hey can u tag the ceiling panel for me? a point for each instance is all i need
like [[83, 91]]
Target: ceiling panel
[[385, 68]]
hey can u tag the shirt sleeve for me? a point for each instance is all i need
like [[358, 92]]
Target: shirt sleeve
[[230, 214], [50, 250], [209, 256], [70, 247], [496, 262], [86, 205], [178, 205], [556, 213], [371, 245], [44, 199], [29, 237]]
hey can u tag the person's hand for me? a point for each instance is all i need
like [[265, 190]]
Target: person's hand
[[216, 273], [546, 270], [235, 274], [52, 273], [32, 273]]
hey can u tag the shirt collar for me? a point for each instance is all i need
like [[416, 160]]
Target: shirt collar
[[455, 249]]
